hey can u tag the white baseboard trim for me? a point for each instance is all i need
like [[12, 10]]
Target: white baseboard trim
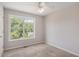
[[63, 49], [23, 46]]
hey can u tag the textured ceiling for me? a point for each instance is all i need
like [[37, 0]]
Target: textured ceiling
[[32, 7]]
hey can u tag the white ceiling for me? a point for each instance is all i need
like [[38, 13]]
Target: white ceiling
[[32, 7]]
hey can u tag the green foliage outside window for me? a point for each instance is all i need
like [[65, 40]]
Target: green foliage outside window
[[21, 29]]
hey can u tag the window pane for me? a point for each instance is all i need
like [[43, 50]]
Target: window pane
[[28, 28], [16, 27]]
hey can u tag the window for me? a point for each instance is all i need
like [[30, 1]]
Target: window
[[21, 27]]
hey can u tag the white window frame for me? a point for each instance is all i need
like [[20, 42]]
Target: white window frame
[[9, 26]]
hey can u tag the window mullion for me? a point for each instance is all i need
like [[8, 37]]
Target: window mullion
[[23, 28]]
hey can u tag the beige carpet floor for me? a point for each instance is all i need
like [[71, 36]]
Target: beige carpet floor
[[38, 50]]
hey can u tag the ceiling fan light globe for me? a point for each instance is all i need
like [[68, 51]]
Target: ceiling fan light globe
[[41, 10]]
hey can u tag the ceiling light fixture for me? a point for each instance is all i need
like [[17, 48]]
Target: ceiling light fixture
[[41, 7], [41, 10]]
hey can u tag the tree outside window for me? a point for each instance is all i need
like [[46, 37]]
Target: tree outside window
[[21, 27]]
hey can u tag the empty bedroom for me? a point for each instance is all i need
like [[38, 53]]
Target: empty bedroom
[[39, 29]]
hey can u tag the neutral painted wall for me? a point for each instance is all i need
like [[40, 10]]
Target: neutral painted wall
[[62, 29], [39, 31], [1, 29]]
